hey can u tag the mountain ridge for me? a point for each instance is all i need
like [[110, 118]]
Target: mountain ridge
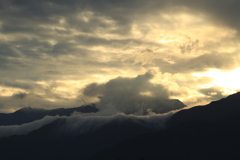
[[187, 136], [212, 112], [28, 114], [200, 133]]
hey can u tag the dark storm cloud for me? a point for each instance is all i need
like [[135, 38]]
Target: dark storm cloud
[[220, 11], [8, 51], [64, 48], [133, 95], [17, 84], [122, 12], [96, 41], [19, 95], [30, 17], [32, 14], [125, 12], [32, 48], [9, 56], [93, 90]]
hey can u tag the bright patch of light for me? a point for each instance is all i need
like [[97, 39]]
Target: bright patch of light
[[228, 79], [51, 99]]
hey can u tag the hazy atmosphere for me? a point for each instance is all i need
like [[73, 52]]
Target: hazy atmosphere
[[126, 55]]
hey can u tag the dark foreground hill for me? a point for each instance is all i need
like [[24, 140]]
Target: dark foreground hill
[[217, 111], [28, 114], [53, 141], [208, 132]]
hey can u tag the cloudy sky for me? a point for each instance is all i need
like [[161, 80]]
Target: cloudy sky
[[65, 53]]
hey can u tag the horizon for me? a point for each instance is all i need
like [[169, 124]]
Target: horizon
[[149, 113]]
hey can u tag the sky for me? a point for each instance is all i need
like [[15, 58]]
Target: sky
[[131, 53]]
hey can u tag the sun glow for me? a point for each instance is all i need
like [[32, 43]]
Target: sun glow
[[226, 79]]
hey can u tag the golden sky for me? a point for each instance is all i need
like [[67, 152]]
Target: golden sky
[[59, 53]]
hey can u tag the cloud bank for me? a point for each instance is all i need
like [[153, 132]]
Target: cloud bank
[[6, 131], [133, 95], [82, 124]]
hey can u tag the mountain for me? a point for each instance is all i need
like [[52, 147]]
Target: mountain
[[54, 141], [221, 110], [208, 132], [28, 114]]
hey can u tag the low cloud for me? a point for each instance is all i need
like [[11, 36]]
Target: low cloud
[[94, 122], [6, 131], [133, 95], [80, 124]]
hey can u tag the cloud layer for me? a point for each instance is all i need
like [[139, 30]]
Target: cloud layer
[[82, 124], [6, 131], [51, 49], [133, 95]]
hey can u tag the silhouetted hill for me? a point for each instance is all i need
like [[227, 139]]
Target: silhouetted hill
[[28, 114], [216, 111], [208, 132], [50, 142], [192, 140]]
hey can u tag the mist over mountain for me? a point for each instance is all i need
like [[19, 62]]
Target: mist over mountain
[[78, 137], [202, 132]]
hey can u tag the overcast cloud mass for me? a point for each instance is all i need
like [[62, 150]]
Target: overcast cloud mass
[[65, 53]]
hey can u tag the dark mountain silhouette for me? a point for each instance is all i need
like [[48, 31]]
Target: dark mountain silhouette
[[208, 132], [50, 142], [216, 111], [28, 114]]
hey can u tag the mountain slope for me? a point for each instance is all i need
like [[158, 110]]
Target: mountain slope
[[208, 132], [195, 140], [216, 111], [51, 142], [28, 114], [200, 133]]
